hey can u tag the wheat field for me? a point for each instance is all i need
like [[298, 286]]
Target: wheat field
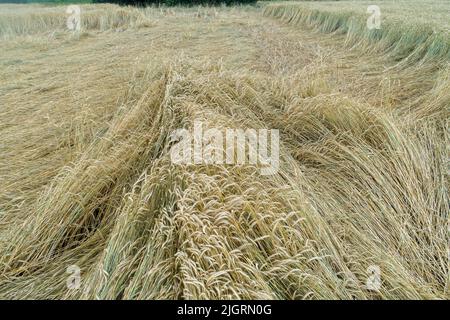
[[86, 178]]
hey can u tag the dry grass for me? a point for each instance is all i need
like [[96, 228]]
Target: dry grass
[[402, 33], [33, 19], [434, 13], [87, 178]]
